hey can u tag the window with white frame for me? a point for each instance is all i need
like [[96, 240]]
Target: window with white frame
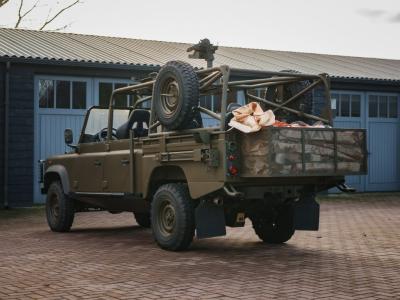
[[62, 94], [347, 105], [382, 106]]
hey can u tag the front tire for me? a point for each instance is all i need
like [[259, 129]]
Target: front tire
[[276, 229], [172, 217], [60, 209]]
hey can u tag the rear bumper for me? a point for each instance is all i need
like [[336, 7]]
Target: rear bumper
[[256, 187]]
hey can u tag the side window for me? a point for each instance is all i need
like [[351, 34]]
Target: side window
[[62, 94], [373, 106], [393, 107], [346, 105], [383, 106], [46, 93], [105, 90]]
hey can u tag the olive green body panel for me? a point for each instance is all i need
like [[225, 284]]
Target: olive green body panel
[[122, 166], [181, 158], [86, 168]]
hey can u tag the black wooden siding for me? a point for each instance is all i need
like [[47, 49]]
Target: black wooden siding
[[21, 136], [2, 94]]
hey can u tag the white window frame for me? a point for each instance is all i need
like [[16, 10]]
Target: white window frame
[[378, 94], [63, 111], [338, 101], [114, 81]]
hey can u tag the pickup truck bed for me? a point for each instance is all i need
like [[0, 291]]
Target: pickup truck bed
[[281, 152]]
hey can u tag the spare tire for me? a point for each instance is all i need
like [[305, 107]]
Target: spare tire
[[176, 95]]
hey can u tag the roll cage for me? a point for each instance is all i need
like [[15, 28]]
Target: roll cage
[[216, 81]]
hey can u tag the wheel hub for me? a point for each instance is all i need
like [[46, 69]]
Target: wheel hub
[[54, 207], [170, 97], [167, 218]]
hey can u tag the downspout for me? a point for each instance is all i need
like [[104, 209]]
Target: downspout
[[6, 119]]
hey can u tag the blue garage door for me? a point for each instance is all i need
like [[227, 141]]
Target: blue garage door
[[383, 142], [349, 113], [379, 114]]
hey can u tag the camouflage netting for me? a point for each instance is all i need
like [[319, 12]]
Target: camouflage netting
[[279, 152]]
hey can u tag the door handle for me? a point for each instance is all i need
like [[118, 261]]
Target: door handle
[[124, 162], [97, 163]]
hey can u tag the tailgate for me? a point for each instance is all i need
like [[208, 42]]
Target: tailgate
[[282, 152]]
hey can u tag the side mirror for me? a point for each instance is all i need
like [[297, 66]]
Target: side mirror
[[68, 136]]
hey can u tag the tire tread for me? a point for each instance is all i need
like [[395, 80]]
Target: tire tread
[[187, 227], [67, 209]]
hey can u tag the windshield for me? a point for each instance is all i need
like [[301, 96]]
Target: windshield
[[98, 119]]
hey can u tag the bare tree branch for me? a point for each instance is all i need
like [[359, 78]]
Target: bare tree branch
[[3, 2], [21, 15], [62, 27], [48, 21], [21, 3]]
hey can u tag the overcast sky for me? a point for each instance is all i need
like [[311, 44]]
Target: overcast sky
[[346, 27]]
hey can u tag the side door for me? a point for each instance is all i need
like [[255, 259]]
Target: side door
[[117, 176], [118, 168], [118, 165], [86, 174], [87, 170]]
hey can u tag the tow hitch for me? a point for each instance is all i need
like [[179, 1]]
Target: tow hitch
[[345, 189]]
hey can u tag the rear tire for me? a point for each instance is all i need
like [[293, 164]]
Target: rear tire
[[278, 229], [143, 219], [60, 208], [172, 217]]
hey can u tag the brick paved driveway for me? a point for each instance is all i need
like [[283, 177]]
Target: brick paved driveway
[[355, 255]]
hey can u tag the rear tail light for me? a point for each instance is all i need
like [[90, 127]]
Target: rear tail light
[[233, 170], [232, 158]]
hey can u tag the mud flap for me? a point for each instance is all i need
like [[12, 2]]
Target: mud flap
[[210, 220], [306, 213]]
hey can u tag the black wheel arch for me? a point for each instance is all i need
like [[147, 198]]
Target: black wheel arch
[[162, 175], [53, 173]]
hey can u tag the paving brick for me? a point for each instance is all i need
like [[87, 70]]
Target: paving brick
[[355, 255]]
